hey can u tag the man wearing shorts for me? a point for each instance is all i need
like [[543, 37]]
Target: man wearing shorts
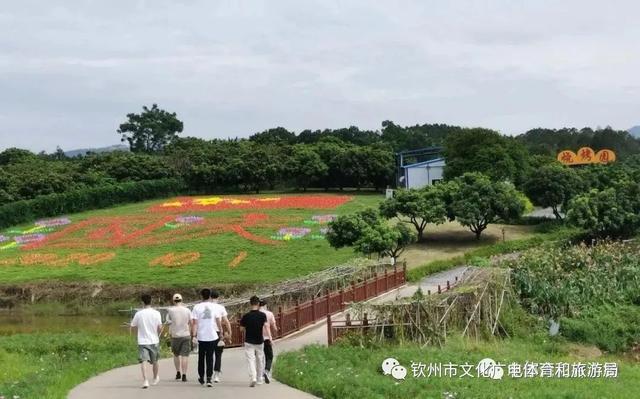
[[179, 320], [148, 322]]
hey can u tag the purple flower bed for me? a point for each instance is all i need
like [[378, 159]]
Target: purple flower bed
[[3, 238], [295, 232], [189, 219], [29, 238], [53, 222]]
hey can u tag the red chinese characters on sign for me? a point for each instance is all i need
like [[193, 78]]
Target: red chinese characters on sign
[[585, 156]]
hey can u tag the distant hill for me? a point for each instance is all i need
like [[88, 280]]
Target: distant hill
[[635, 131], [84, 151]]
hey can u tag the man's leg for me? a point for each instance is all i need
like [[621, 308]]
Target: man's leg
[[209, 360], [176, 362], [250, 354], [201, 354], [143, 357], [143, 368], [184, 363], [268, 355], [218, 362], [155, 370], [260, 362]]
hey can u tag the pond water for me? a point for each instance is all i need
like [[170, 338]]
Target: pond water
[[18, 322]]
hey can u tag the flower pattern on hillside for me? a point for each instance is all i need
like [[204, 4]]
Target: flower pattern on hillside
[[209, 204]]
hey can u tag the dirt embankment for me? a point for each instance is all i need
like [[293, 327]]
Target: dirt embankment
[[98, 293]]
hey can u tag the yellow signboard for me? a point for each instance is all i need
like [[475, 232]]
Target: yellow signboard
[[586, 155]]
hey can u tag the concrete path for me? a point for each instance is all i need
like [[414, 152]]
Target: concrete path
[[124, 382]]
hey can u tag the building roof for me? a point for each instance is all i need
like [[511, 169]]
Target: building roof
[[425, 163]]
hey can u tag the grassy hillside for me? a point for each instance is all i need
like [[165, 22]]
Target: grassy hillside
[[226, 239]]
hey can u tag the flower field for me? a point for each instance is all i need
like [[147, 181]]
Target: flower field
[[182, 241]]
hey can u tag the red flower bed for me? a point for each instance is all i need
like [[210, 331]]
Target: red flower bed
[[209, 204]]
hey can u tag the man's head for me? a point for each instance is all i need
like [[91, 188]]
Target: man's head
[[206, 293], [263, 303], [146, 299], [254, 301], [214, 293], [177, 299]]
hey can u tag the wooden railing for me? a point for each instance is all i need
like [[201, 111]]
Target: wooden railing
[[338, 328], [304, 314]]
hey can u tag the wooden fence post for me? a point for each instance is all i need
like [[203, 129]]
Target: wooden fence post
[[375, 286], [297, 315], [329, 330], [341, 299], [313, 310], [439, 289], [348, 319], [386, 280], [327, 297], [404, 271], [280, 319], [353, 291], [448, 285]]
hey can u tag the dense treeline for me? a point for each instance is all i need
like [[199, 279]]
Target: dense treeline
[[281, 159]]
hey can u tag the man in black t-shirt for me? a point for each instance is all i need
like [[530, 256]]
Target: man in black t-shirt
[[253, 322]]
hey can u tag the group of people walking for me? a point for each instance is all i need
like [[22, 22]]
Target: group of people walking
[[207, 327]]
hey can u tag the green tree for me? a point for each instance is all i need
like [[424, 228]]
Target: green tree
[[368, 234], [151, 130], [278, 135], [553, 186], [612, 212], [487, 152], [418, 207], [479, 202], [306, 166]]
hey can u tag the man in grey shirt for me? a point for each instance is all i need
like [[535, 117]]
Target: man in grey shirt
[[179, 320]]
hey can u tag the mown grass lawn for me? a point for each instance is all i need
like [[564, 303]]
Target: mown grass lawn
[[345, 372], [261, 263]]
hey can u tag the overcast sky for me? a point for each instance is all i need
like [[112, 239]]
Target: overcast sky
[[71, 70]]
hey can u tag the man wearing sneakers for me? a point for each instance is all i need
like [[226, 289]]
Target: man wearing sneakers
[[268, 331], [221, 313], [179, 321], [204, 330], [253, 322], [148, 322]]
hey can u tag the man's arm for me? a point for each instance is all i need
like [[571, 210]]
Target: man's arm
[[273, 325], [227, 325]]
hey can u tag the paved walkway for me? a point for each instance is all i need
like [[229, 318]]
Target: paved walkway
[[124, 382]]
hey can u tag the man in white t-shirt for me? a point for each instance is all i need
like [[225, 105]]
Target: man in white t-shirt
[[206, 323], [225, 335], [148, 322], [269, 330], [179, 321]]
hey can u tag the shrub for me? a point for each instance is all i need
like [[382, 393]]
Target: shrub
[[86, 199], [612, 328]]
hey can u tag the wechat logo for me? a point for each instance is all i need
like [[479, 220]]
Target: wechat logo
[[489, 369], [392, 367]]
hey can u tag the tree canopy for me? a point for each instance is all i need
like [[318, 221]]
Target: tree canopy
[[151, 130]]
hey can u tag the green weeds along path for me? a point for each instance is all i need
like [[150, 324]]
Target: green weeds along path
[[49, 365], [352, 372], [177, 241]]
